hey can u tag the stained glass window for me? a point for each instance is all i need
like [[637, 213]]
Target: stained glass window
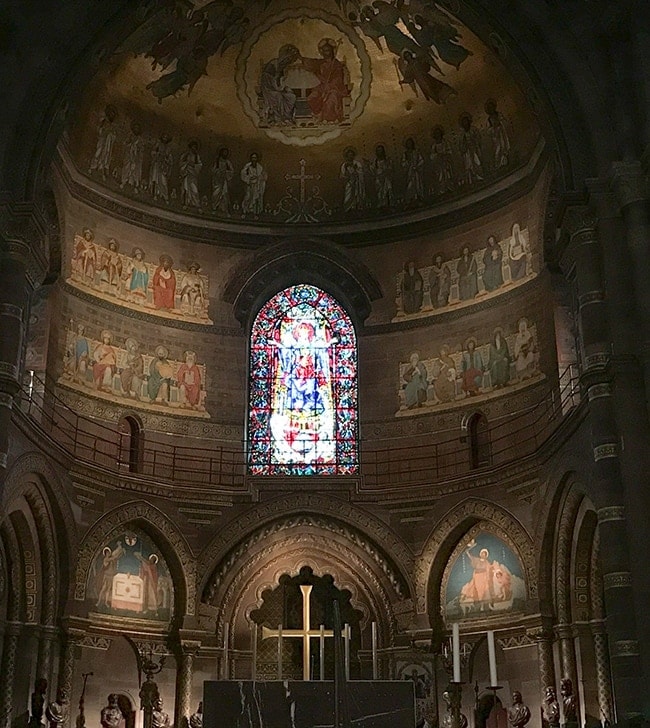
[[303, 386]]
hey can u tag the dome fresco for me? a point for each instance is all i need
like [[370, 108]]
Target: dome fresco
[[299, 113]]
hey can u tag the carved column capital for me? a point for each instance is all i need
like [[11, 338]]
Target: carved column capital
[[629, 182]]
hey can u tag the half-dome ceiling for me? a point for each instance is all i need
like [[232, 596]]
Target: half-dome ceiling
[[287, 112]]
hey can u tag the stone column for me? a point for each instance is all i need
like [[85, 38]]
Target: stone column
[[606, 486], [603, 670], [22, 268], [184, 673], [73, 639], [544, 639], [566, 641], [46, 648], [8, 671]]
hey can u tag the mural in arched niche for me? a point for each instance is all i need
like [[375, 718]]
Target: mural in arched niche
[[484, 577], [129, 577]]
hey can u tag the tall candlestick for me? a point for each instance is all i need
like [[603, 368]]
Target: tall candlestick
[[375, 665], [279, 652], [455, 646], [492, 657], [322, 652], [254, 641], [346, 635]]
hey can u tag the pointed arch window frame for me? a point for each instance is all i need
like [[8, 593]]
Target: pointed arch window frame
[[267, 454]]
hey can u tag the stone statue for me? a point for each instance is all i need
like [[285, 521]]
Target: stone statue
[[111, 715], [196, 719], [518, 713], [57, 712], [569, 703], [38, 702], [159, 719], [551, 707]]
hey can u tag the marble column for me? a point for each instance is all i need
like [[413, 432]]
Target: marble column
[[47, 642], [606, 485], [184, 673], [8, 671], [71, 644]]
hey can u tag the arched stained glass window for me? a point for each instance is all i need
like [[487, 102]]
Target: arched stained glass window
[[303, 386]]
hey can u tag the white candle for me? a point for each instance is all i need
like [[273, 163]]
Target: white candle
[[322, 652], [455, 646], [492, 657], [279, 652], [375, 666], [254, 641], [346, 633], [225, 650]]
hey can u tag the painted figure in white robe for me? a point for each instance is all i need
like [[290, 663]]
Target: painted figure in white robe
[[133, 159], [254, 176], [161, 167], [354, 191], [106, 135], [222, 174], [191, 165]]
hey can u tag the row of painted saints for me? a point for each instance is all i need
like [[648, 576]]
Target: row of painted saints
[[128, 375], [509, 359], [391, 179], [428, 289], [132, 281]]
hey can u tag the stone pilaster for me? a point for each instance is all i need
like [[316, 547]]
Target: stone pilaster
[[71, 644], [566, 642], [8, 670], [47, 642], [544, 639]]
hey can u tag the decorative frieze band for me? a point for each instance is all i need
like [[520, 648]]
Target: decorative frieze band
[[611, 513], [606, 450], [625, 648], [515, 642], [6, 400], [96, 642], [617, 580], [597, 359]]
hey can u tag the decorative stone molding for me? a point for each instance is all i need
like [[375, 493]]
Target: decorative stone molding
[[611, 513], [625, 648], [591, 297], [6, 400], [8, 370], [182, 571], [617, 580], [629, 182], [8, 309], [300, 523], [515, 642], [501, 522], [605, 451], [599, 390], [344, 513], [95, 642], [24, 229]]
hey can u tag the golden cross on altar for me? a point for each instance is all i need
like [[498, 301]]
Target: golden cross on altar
[[306, 633]]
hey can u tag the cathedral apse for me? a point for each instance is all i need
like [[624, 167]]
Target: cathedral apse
[[329, 112], [130, 578]]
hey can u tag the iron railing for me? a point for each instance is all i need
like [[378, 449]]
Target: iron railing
[[383, 463]]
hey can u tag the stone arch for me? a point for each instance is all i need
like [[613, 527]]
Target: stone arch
[[451, 527], [165, 534], [387, 544], [305, 260]]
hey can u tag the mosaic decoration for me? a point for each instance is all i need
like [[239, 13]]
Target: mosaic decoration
[[130, 280], [126, 374], [479, 370], [485, 579], [476, 274], [303, 386], [129, 578]]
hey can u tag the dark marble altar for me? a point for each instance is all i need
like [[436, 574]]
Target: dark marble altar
[[289, 704]]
